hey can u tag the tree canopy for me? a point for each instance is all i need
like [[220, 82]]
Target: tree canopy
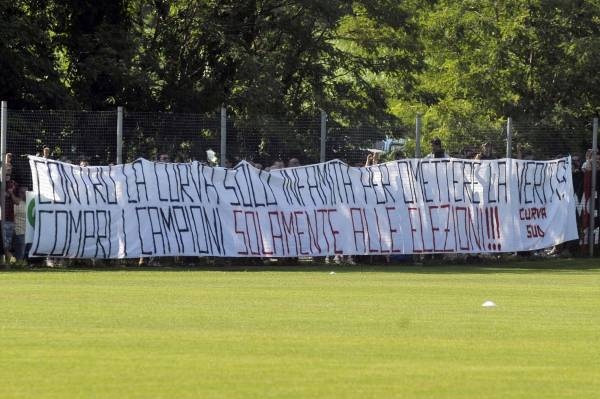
[[465, 65]]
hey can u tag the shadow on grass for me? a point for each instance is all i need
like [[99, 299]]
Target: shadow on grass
[[511, 265]]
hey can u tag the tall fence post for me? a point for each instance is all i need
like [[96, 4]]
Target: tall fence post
[[322, 153], [3, 133], [418, 137], [509, 138], [119, 135], [223, 136], [592, 199]]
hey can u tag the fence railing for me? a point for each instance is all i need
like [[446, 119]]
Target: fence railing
[[121, 135]]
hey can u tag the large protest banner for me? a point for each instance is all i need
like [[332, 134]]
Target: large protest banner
[[409, 206]]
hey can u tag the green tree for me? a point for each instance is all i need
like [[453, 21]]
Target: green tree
[[99, 54], [28, 66], [487, 60], [271, 56]]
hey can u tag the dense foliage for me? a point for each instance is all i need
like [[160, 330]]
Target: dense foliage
[[465, 65]]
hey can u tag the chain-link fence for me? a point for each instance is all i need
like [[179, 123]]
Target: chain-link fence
[[69, 136], [73, 135], [527, 141], [539, 141], [352, 143], [183, 137], [274, 138]]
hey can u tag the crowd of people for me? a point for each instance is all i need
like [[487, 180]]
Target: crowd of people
[[14, 216]]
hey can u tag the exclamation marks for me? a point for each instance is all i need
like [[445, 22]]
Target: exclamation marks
[[492, 222]]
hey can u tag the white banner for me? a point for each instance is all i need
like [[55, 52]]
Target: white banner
[[410, 206]]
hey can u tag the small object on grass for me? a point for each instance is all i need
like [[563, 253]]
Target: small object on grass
[[488, 304], [331, 272]]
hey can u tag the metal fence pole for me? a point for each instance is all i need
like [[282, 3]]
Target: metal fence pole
[[223, 135], [418, 137], [322, 155], [3, 133], [509, 138], [119, 135], [592, 199]]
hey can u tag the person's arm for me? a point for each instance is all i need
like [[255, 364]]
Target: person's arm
[[375, 159], [11, 191]]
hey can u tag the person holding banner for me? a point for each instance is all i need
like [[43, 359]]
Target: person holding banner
[[84, 161], [293, 163], [485, 152], [278, 164], [372, 158], [8, 225], [437, 151], [20, 223]]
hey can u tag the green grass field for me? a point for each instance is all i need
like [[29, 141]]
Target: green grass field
[[298, 332]]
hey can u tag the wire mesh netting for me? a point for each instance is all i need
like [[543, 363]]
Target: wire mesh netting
[[183, 137], [470, 145], [528, 141], [538, 141], [271, 139], [353, 143], [69, 136]]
